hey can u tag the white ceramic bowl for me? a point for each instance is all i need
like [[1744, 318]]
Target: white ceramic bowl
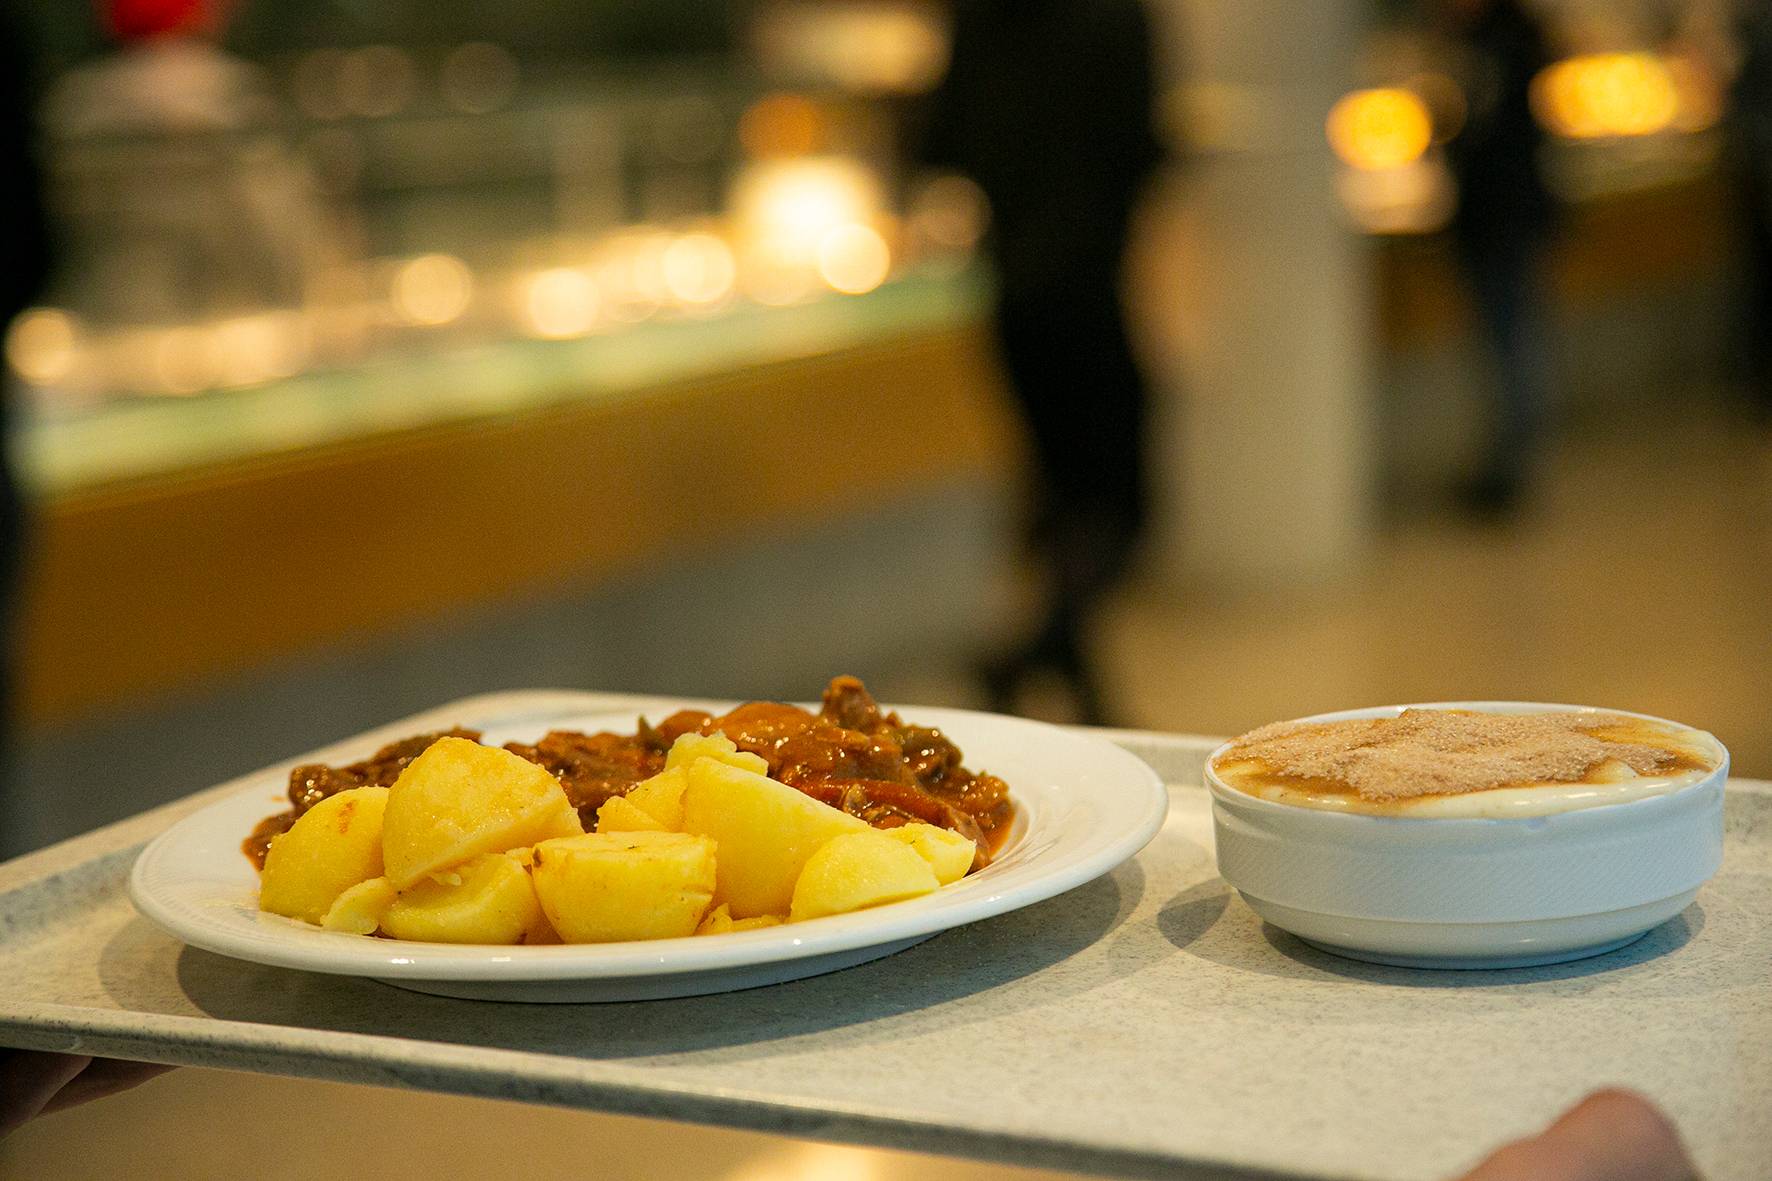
[[1470, 893]]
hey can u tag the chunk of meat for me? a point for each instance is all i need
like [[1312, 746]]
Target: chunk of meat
[[593, 767]]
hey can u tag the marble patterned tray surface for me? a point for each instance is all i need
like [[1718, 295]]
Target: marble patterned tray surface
[[1144, 1024]]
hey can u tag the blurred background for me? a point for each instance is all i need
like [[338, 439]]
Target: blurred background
[[365, 356]]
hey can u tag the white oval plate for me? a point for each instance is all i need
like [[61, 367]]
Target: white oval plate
[[1083, 806]]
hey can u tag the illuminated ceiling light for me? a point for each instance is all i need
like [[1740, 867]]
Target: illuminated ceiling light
[[431, 289], [1378, 129], [853, 259]]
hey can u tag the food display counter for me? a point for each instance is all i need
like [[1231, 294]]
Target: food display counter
[[181, 540]]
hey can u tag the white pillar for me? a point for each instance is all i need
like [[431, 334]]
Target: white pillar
[[1263, 436]]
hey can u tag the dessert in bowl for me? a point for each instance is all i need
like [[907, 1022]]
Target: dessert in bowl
[[1469, 834]]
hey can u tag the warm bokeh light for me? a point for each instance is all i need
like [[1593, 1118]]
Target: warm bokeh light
[[249, 350], [1379, 129], [558, 303], [853, 259], [1417, 198], [1606, 95], [781, 125], [786, 207], [628, 268], [774, 281], [42, 345], [863, 46], [431, 289], [181, 360], [698, 269], [644, 253]]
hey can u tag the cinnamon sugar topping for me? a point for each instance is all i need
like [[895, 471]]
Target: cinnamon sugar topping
[[1425, 752]]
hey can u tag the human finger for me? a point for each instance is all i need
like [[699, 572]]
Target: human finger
[[1612, 1135]]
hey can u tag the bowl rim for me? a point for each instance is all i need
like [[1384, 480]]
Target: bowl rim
[[1224, 792]]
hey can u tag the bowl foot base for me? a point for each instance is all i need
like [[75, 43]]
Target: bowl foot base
[[1475, 962]]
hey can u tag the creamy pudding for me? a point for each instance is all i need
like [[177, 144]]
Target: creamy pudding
[[1459, 763]]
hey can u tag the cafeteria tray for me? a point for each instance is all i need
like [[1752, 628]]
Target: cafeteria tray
[[1144, 1024]]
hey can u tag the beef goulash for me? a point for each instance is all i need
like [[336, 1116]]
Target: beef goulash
[[851, 754]]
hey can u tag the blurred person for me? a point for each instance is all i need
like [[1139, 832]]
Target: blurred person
[[221, 214], [1047, 106], [1750, 139], [1501, 229]]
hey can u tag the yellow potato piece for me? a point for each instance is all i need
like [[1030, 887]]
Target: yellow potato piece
[[856, 871], [758, 922], [618, 815], [610, 887], [359, 910], [459, 800], [542, 933], [765, 830], [493, 901], [721, 922], [661, 797], [716, 746], [948, 853], [336, 844], [717, 922]]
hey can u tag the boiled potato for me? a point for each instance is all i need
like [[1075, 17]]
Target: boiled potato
[[758, 922], [948, 853], [487, 900], [359, 910], [718, 921], [459, 800], [619, 815], [336, 844], [859, 870], [608, 887], [721, 922], [716, 746], [765, 830], [541, 932], [661, 797]]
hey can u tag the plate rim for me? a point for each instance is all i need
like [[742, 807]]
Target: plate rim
[[654, 958]]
